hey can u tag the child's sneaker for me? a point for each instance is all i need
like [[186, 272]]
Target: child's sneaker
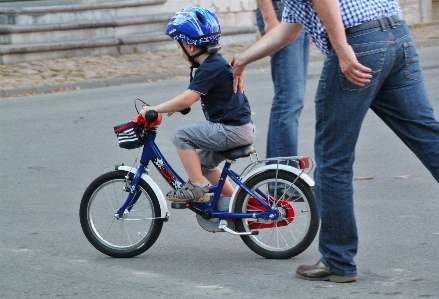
[[189, 192]]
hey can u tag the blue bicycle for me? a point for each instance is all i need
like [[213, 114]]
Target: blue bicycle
[[272, 208]]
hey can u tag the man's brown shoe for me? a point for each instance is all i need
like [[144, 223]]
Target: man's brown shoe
[[320, 272]]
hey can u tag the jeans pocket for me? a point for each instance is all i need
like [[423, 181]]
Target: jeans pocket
[[412, 67], [374, 60]]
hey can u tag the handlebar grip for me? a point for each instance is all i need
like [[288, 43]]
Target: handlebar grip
[[151, 115], [185, 111]]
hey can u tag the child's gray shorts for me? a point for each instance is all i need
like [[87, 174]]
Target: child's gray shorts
[[208, 138]]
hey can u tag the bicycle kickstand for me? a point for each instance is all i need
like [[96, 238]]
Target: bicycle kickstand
[[223, 226]]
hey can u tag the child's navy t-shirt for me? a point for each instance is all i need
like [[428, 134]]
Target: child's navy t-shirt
[[213, 80]]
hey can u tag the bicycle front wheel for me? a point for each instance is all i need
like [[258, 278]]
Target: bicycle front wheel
[[294, 231], [125, 236]]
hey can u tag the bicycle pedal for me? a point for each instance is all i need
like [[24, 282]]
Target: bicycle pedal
[[180, 205]]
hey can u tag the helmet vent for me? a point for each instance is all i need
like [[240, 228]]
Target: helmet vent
[[200, 18], [194, 25]]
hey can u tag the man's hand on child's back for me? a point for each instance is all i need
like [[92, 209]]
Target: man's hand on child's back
[[238, 72]]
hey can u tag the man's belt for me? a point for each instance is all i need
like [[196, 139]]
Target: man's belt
[[383, 23]]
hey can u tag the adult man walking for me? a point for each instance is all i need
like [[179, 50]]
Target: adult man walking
[[288, 71], [371, 62]]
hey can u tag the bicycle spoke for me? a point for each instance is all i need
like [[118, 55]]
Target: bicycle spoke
[[134, 231], [109, 198], [295, 227], [128, 233]]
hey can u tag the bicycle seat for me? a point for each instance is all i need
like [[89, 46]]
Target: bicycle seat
[[238, 152]]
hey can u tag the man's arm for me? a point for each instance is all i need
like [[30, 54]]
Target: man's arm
[[273, 41], [329, 13], [268, 14]]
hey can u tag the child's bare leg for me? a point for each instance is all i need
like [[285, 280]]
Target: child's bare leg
[[192, 165], [213, 179]]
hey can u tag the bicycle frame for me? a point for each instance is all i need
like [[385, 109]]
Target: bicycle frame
[[151, 152]]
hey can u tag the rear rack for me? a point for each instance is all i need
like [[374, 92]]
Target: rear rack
[[306, 164]]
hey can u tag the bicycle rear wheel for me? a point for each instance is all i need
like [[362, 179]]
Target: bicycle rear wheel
[[297, 227], [126, 236]]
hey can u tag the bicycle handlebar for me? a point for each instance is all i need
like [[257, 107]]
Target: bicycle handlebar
[[185, 111], [151, 115]]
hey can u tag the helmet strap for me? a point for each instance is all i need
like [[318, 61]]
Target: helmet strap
[[192, 57]]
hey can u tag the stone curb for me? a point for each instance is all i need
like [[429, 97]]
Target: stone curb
[[96, 83]]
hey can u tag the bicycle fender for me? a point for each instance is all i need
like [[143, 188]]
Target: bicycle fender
[[158, 192], [306, 178]]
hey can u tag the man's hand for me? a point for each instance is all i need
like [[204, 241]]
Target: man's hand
[[351, 68], [269, 26], [273, 41], [238, 72], [268, 14], [330, 15]]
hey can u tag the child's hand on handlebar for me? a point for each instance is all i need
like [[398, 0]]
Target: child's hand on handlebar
[[146, 109]]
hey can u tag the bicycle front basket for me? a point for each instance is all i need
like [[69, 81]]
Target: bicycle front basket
[[130, 135]]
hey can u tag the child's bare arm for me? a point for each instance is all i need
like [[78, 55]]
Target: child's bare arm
[[176, 104]]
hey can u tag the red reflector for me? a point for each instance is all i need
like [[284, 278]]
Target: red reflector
[[304, 163]]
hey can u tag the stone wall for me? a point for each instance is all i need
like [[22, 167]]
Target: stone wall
[[416, 11], [241, 12], [229, 12]]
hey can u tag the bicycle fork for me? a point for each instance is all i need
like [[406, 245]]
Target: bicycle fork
[[133, 194]]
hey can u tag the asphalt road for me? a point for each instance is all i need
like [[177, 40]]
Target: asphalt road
[[52, 146]]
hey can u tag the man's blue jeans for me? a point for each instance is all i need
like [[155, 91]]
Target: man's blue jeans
[[289, 71], [398, 96]]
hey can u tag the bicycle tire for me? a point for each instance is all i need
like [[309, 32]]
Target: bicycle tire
[[286, 237], [132, 234]]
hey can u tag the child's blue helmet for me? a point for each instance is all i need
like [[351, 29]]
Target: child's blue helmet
[[195, 26]]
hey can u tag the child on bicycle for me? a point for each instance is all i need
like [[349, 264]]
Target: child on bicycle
[[229, 125]]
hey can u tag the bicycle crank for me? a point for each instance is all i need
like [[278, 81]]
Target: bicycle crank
[[223, 226]]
